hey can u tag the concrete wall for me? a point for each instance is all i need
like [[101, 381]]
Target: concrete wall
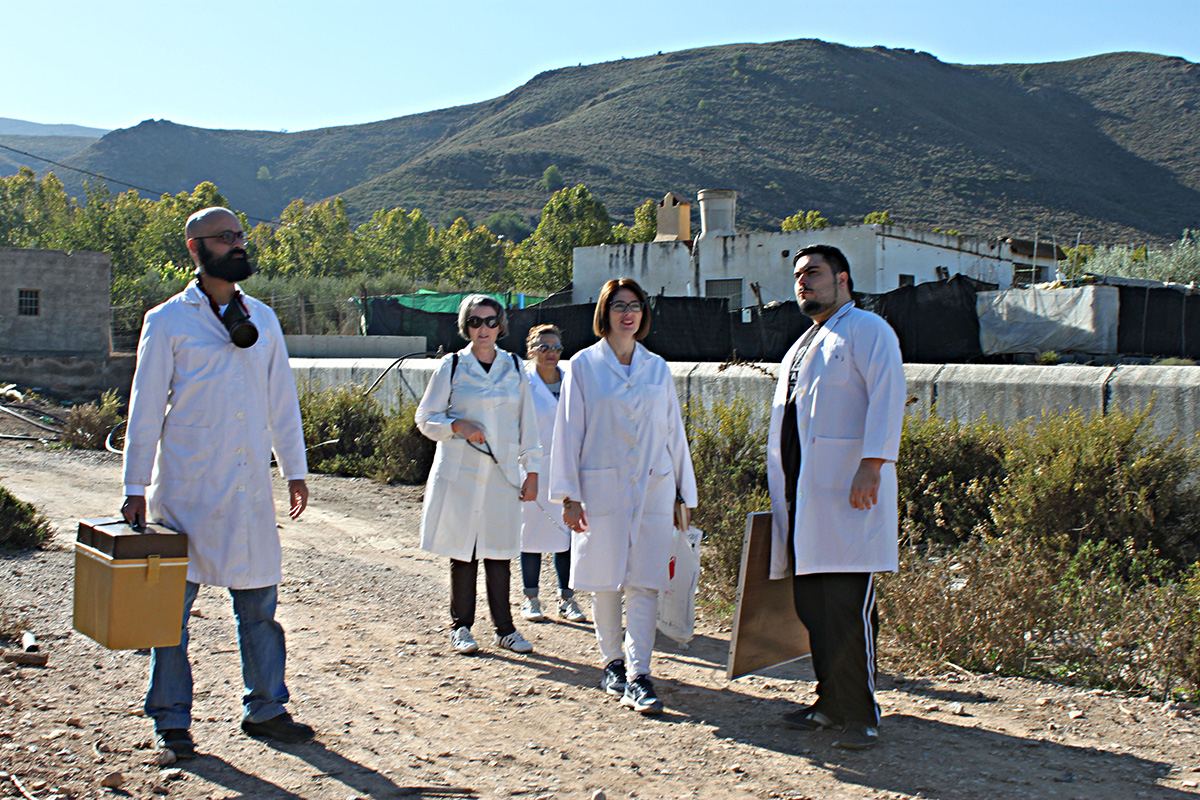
[[1000, 393], [71, 377], [313, 346], [73, 300]]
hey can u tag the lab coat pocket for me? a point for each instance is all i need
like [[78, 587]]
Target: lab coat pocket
[[448, 459], [834, 461], [600, 491], [187, 452]]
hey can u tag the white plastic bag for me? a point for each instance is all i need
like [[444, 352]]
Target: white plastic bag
[[677, 603]]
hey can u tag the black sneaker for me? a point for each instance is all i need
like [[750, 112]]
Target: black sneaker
[[613, 681], [639, 695], [280, 728], [857, 736], [808, 719], [177, 740]]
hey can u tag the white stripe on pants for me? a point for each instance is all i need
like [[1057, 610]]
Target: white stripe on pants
[[641, 617]]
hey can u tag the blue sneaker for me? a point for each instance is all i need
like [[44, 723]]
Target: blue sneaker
[[639, 695], [613, 681]]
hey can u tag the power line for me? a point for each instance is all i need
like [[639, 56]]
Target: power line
[[114, 180]]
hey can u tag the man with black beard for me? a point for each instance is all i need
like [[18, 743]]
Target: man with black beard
[[831, 468], [213, 396]]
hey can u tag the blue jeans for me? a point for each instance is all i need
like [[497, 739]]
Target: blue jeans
[[261, 641]]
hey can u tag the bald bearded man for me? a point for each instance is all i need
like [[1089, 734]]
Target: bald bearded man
[[213, 396]]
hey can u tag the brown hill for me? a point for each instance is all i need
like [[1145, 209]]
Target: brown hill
[[1104, 146]]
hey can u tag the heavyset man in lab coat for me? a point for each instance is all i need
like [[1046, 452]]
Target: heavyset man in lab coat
[[204, 417], [831, 450]]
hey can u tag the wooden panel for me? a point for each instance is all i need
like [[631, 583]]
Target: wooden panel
[[766, 630]]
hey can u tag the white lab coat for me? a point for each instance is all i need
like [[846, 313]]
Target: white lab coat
[[204, 417], [620, 448], [472, 509], [539, 534], [850, 406]]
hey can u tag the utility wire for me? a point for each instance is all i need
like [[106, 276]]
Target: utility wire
[[114, 180]]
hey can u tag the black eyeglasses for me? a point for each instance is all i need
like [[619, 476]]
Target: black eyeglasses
[[226, 237], [621, 307], [547, 348], [479, 322]]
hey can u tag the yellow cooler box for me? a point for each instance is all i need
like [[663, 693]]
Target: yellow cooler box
[[129, 584]]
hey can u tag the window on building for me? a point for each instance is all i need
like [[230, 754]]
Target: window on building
[[907, 280], [730, 288], [27, 303], [1027, 274]]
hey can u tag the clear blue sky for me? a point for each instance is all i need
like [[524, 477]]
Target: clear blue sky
[[295, 65]]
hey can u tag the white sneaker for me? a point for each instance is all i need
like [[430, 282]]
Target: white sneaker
[[531, 610], [515, 642], [463, 642], [569, 610]]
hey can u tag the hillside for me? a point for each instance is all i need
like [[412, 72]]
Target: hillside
[[1103, 146], [55, 148], [20, 127]]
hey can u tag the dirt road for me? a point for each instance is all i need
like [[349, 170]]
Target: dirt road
[[399, 715]]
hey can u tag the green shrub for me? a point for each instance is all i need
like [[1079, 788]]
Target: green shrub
[[404, 454], [949, 475], [728, 446], [21, 525], [347, 415], [87, 426], [1077, 478]]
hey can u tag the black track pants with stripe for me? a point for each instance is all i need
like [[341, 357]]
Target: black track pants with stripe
[[838, 608]]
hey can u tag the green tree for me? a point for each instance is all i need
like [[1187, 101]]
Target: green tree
[[879, 218], [805, 221], [264, 174], [552, 179], [449, 217], [573, 218], [645, 225], [471, 259], [509, 224], [400, 242], [313, 240]]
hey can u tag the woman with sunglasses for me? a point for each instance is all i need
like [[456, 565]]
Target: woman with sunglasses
[[479, 409], [621, 463], [540, 533]]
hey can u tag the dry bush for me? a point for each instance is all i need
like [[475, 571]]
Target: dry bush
[[349, 416], [1079, 478], [949, 475], [404, 454], [87, 426], [728, 446], [21, 525], [1103, 616]]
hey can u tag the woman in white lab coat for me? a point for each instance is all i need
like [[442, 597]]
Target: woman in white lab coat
[[479, 410], [621, 464], [541, 532]]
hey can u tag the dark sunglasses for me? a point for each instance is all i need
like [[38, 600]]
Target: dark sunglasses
[[547, 348], [479, 322], [226, 237]]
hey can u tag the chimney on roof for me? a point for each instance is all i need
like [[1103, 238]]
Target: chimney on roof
[[674, 219], [717, 210]]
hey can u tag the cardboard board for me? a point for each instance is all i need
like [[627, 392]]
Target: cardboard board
[[766, 630]]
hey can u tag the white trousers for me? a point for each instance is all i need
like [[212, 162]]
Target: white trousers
[[641, 617]]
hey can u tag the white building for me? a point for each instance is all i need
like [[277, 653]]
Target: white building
[[723, 263]]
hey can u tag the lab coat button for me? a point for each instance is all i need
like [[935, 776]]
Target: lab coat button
[[241, 451], [240, 415], [241, 488]]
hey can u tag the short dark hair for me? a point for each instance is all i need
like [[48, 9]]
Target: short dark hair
[[600, 320], [473, 301], [835, 258]]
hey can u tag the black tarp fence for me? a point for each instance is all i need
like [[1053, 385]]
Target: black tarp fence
[[935, 322], [1157, 321]]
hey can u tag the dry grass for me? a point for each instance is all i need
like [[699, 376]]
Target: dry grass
[[87, 426]]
